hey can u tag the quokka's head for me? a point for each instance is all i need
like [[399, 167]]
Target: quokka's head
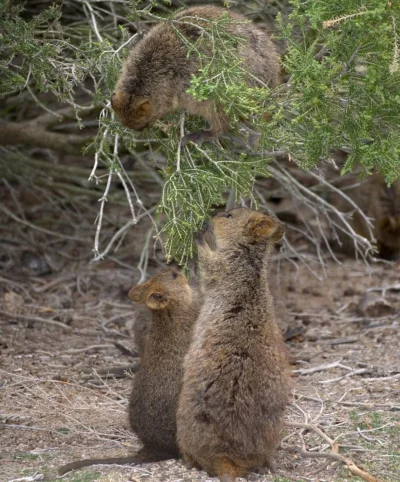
[[151, 79], [237, 229], [168, 288], [133, 111]]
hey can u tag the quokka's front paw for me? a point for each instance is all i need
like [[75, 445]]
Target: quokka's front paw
[[198, 137]]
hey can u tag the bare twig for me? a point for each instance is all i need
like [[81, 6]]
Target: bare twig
[[319, 368], [372, 405], [353, 468], [102, 201], [38, 228], [89, 348], [333, 454], [34, 132], [36, 319]]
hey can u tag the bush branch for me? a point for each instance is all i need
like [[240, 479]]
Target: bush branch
[[35, 132]]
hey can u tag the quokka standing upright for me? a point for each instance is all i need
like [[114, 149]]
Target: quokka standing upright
[[174, 307], [236, 375]]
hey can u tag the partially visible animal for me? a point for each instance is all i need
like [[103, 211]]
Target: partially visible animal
[[379, 202], [159, 69], [174, 307]]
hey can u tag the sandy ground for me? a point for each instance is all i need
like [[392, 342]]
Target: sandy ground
[[60, 332]]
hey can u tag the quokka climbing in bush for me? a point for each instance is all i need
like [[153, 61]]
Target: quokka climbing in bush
[[159, 69]]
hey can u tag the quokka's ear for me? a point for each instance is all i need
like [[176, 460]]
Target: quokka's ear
[[138, 293], [265, 228], [144, 109], [157, 301]]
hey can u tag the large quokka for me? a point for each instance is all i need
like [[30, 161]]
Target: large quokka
[[153, 404], [158, 71], [236, 374]]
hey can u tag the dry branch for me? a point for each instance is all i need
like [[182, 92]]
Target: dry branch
[[333, 454], [372, 406], [114, 371], [35, 132], [89, 348], [35, 319], [38, 228]]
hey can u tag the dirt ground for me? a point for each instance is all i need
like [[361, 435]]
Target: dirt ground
[[66, 324]]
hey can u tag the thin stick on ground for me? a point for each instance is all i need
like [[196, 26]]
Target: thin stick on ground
[[333, 454], [35, 319]]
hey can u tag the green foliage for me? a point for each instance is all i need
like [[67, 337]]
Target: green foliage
[[195, 177], [344, 87], [196, 185], [48, 56], [221, 77]]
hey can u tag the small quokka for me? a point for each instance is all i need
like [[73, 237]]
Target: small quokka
[[174, 306], [236, 374], [159, 69]]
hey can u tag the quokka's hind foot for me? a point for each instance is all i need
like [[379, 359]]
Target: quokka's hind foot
[[226, 478], [190, 463], [226, 470], [268, 467]]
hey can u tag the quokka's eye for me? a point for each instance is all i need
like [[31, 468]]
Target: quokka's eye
[[229, 216], [174, 275]]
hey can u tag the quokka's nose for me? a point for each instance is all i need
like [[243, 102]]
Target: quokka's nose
[[205, 225]]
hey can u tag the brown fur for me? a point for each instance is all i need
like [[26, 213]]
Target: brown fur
[[379, 202], [140, 330], [153, 403], [158, 71], [236, 374]]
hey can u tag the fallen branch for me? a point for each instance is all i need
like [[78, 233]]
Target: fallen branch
[[353, 468], [333, 454], [35, 132], [38, 228], [319, 368], [36, 319], [89, 348], [117, 372], [372, 406], [126, 351]]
